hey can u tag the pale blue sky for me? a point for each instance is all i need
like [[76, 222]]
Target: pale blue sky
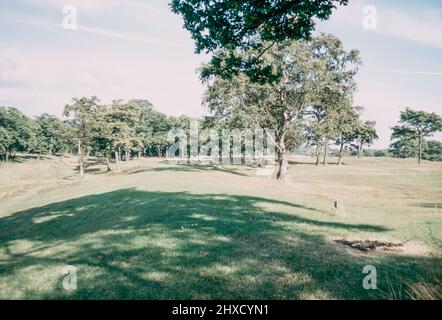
[[138, 49]]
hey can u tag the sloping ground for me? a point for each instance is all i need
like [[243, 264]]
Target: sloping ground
[[163, 231]]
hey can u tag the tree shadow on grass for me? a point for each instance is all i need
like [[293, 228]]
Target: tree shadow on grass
[[313, 163], [132, 244], [191, 168]]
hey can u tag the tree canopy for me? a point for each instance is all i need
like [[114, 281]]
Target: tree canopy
[[317, 72], [248, 25], [413, 128]]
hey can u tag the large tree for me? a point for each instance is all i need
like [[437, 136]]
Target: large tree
[[16, 132], [81, 116], [249, 25], [50, 133], [346, 123], [123, 119], [433, 151], [364, 134], [309, 70], [417, 126]]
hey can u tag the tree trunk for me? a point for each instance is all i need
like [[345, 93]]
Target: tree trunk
[[324, 161], [117, 160], [282, 161], [419, 156], [7, 155], [80, 152], [108, 164], [139, 155], [81, 169], [50, 151], [360, 149], [159, 151], [127, 156], [341, 152], [318, 151]]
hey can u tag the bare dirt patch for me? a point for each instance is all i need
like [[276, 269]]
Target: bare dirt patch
[[369, 245], [409, 247]]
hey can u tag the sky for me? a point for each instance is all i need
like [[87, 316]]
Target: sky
[[125, 49]]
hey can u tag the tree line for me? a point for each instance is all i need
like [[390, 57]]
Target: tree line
[[120, 131], [306, 100]]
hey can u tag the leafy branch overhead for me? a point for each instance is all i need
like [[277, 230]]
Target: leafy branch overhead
[[226, 28]]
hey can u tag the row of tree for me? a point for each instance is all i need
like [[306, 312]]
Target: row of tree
[[120, 130], [409, 136], [309, 98], [306, 98]]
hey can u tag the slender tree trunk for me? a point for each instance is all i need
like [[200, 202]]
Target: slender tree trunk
[[318, 152], [324, 160], [50, 151], [117, 160], [282, 160], [7, 155], [80, 152], [81, 168], [159, 151], [341, 153], [139, 155], [419, 156], [361, 144], [108, 164], [127, 156]]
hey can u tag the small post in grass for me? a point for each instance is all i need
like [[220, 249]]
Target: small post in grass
[[338, 206]]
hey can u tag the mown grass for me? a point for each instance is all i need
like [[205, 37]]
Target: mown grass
[[161, 231]]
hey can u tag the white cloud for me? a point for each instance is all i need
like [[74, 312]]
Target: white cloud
[[97, 6], [127, 36]]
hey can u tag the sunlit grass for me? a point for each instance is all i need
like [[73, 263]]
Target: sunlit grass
[[162, 231]]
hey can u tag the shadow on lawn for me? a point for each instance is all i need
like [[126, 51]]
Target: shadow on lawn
[[131, 244], [191, 168]]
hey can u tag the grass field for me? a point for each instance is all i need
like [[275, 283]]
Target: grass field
[[162, 231]]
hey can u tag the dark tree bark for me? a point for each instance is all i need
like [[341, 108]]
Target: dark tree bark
[[361, 145], [324, 160], [318, 153], [108, 164], [117, 160], [341, 153], [419, 155]]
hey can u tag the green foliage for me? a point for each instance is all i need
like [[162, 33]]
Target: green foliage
[[433, 151], [410, 134], [316, 73], [81, 116], [51, 134], [404, 147], [365, 133], [248, 26], [381, 153], [16, 132]]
